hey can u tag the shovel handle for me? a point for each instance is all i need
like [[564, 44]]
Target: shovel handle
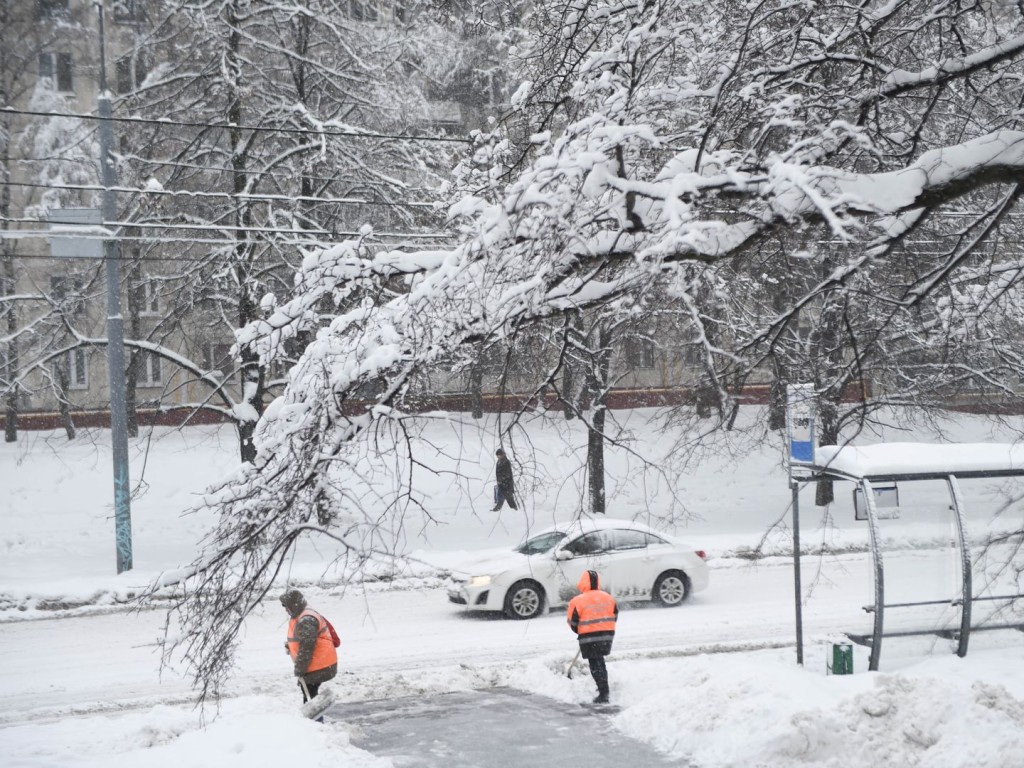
[[568, 670], [305, 690]]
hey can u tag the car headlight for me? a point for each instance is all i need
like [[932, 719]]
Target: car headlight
[[479, 581]]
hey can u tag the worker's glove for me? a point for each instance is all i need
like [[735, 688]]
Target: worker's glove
[[298, 672], [286, 649]]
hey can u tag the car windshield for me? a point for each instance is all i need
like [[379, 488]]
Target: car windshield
[[540, 543]]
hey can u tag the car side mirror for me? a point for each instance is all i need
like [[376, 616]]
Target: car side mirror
[[564, 554]]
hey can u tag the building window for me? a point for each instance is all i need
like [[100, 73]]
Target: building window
[[127, 11], [6, 374], [215, 289], [131, 72], [66, 294], [78, 369], [363, 10], [57, 68], [804, 328], [217, 359], [49, 9], [640, 353], [125, 82], [149, 298], [692, 354], [151, 372]]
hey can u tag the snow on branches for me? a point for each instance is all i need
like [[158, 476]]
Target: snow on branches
[[675, 149]]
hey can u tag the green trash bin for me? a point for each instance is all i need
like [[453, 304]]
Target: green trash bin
[[840, 659]]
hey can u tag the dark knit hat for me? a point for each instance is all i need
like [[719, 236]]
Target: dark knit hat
[[293, 601]]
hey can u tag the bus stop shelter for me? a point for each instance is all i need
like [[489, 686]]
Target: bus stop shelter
[[874, 466]]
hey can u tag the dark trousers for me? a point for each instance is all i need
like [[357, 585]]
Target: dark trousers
[[501, 495], [599, 672], [313, 690]]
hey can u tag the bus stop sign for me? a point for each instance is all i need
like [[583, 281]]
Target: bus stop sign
[[800, 413]]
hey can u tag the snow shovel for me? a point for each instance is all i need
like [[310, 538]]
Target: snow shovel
[[568, 670], [315, 706]]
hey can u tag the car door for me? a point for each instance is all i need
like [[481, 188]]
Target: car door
[[588, 551], [629, 564]]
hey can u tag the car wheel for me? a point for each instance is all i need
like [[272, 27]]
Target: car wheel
[[671, 589], [524, 600]]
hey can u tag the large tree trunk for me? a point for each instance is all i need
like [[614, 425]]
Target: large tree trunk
[[831, 384], [598, 389], [828, 434], [595, 462], [63, 407], [476, 387], [777, 399], [251, 372], [571, 399], [10, 368], [8, 283]]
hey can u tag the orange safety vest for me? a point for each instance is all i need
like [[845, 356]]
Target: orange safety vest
[[324, 653], [596, 611]]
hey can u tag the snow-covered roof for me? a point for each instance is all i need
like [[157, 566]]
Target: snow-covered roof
[[894, 461]]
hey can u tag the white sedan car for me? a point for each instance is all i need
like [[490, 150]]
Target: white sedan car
[[634, 562]]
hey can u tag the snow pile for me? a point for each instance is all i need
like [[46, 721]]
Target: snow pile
[[251, 731], [758, 710]]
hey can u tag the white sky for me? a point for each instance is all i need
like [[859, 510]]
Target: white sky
[[84, 689]]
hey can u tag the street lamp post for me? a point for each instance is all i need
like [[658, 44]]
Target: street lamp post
[[115, 327]]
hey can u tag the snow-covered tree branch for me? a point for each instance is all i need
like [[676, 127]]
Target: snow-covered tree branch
[[752, 163]]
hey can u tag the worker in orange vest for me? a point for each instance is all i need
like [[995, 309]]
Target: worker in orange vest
[[592, 615], [311, 644]]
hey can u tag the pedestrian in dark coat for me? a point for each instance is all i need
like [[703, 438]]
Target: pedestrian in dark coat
[[503, 476], [592, 615]]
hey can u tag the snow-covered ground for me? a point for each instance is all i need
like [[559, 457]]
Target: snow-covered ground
[[714, 683]]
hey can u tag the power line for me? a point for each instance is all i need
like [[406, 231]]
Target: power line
[[153, 240], [186, 241], [225, 195], [110, 225], [129, 258], [93, 235], [255, 128], [249, 172]]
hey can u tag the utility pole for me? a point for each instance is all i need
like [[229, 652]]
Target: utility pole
[[115, 327]]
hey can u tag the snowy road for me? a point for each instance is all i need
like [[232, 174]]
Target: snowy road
[[55, 668]]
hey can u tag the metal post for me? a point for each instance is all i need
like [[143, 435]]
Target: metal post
[[798, 602], [967, 589], [803, 442], [876, 554], [115, 328]]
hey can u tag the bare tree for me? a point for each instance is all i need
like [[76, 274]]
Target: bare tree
[[249, 131], [34, 150]]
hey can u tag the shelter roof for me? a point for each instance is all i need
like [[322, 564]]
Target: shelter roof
[[919, 461]]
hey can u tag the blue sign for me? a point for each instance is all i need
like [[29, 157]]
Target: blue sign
[[800, 412]]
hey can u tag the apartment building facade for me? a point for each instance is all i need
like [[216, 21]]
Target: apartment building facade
[[53, 358]]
